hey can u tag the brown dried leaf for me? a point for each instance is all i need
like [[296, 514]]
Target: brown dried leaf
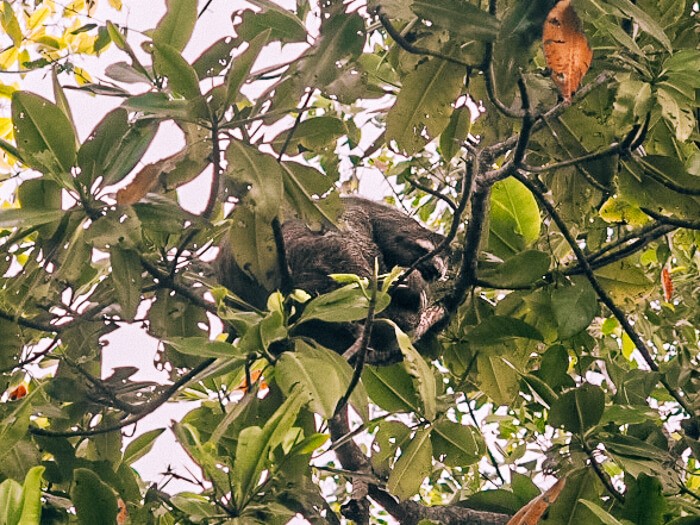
[[145, 181], [531, 513], [566, 48]]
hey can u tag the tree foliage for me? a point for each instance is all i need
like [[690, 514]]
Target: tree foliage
[[566, 342]]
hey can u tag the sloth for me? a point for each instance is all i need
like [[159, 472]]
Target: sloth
[[367, 230]]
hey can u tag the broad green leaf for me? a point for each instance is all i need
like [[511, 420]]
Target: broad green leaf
[[303, 185], [645, 503], [412, 467], [10, 24], [520, 27], [176, 26], [114, 147], [203, 347], [522, 269], [16, 218], [574, 307], [677, 110], [306, 365], [95, 502], [240, 69], [514, 223], [61, 101], [255, 445], [141, 446], [455, 133], [632, 103], [182, 78], [342, 40], [159, 105], [215, 58], [457, 445], [424, 105], [568, 509], [391, 388], [284, 26], [420, 371], [348, 303], [10, 502], [315, 134], [645, 22], [496, 329], [196, 506], [43, 133], [497, 378], [391, 436], [579, 409], [31, 497], [459, 17], [258, 175], [127, 280], [624, 280], [605, 517]]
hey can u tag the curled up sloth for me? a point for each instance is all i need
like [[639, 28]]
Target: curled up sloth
[[367, 230]]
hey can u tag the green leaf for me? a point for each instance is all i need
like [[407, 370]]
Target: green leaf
[[345, 304], [604, 517], [574, 307], [497, 329], [215, 58], [195, 506], [412, 467], [284, 26], [95, 502], [17, 218], [419, 370], [514, 223], [159, 105], [10, 502], [457, 445], [31, 497], [43, 133], [424, 105], [632, 103], [677, 110], [497, 378], [176, 26], [127, 280], [579, 409], [569, 509], [61, 101], [459, 17], [645, 22], [303, 187], [114, 147], [10, 24], [258, 175], [240, 70], [303, 367], [256, 444], [203, 347], [455, 133], [141, 446], [644, 501], [314, 134], [182, 78], [391, 388], [624, 280], [522, 269]]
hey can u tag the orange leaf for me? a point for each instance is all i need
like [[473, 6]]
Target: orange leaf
[[137, 189], [566, 48], [531, 513], [254, 376], [123, 514], [667, 284], [18, 393]]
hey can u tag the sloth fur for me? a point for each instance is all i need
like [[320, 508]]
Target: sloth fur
[[366, 230]]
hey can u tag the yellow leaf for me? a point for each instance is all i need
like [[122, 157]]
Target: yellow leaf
[[37, 17], [116, 4], [82, 77]]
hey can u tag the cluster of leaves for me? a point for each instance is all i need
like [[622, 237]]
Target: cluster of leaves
[[555, 352]]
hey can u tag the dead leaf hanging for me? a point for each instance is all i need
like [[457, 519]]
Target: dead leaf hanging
[[566, 48], [531, 513]]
